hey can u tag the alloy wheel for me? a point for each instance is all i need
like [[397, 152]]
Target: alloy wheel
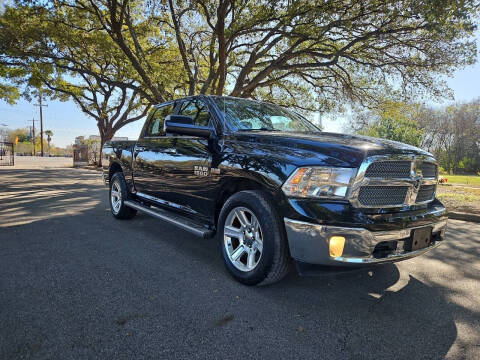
[[243, 239], [116, 197]]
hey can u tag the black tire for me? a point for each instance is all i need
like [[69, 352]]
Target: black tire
[[275, 260], [123, 212]]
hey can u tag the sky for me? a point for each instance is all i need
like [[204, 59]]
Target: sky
[[67, 121], [465, 84]]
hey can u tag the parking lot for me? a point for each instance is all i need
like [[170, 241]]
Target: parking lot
[[75, 283]]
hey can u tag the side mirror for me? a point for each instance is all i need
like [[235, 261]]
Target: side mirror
[[183, 125]]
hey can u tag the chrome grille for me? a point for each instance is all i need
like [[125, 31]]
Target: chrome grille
[[389, 169], [429, 170], [425, 193], [382, 195], [385, 181]]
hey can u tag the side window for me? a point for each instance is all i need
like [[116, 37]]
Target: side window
[[155, 124], [198, 111]]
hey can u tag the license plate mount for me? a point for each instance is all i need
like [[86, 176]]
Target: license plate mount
[[420, 239]]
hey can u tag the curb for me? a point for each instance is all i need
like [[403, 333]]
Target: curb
[[464, 216]]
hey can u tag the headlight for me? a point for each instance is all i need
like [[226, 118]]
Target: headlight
[[319, 182]]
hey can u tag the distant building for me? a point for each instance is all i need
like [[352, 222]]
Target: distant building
[[80, 154], [3, 135], [79, 140], [87, 150]]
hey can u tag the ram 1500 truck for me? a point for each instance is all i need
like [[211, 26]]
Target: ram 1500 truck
[[274, 189]]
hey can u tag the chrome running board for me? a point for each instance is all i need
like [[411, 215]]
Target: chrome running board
[[174, 219]]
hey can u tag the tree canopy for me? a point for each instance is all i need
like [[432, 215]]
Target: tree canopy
[[304, 52], [454, 136], [8, 91], [451, 133], [393, 121], [311, 54]]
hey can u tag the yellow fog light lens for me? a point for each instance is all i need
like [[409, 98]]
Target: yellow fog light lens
[[336, 246]]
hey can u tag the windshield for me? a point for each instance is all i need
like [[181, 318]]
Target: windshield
[[249, 115]]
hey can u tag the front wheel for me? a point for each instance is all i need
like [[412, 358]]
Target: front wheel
[[118, 195], [253, 240]]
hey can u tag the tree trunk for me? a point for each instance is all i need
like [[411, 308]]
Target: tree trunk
[[222, 52], [105, 136]]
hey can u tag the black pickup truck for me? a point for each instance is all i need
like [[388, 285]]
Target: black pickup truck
[[274, 189]]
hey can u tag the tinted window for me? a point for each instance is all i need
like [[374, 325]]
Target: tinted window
[[198, 111], [155, 124]]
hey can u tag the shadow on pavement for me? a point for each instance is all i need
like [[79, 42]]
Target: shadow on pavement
[[80, 284], [35, 194]]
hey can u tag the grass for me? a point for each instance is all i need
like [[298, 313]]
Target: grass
[[463, 179], [460, 197]]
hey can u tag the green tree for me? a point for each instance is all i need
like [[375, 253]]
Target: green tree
[[393, 121], [8, 91], [65, 55], [309, 54], [451, 133], [24, 148], [454, 133], [304, 53], [403, 130], [22, 134]]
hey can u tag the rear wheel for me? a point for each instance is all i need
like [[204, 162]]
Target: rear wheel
[[118, 194], [252, 238]]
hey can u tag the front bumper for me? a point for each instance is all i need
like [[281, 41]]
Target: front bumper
[[309, 243]]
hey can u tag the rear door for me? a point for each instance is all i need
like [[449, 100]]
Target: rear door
[[150, 153]]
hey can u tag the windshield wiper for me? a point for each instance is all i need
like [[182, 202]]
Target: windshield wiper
[[260, 129]]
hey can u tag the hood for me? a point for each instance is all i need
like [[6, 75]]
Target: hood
[[324, 148]]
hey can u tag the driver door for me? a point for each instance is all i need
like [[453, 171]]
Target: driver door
[[186, 171]]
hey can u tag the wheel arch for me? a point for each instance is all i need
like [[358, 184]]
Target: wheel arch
[[114, 168], [276, 259], [235, 185]]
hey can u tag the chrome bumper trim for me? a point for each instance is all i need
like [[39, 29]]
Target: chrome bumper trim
[[405, 233], [390, 258], [309, 243]]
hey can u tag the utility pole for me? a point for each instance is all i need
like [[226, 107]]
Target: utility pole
[[41, 120], [33, 134]]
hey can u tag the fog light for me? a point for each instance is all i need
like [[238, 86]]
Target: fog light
[[336, 244]]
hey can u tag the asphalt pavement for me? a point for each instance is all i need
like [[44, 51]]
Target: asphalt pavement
[[77, 284]]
